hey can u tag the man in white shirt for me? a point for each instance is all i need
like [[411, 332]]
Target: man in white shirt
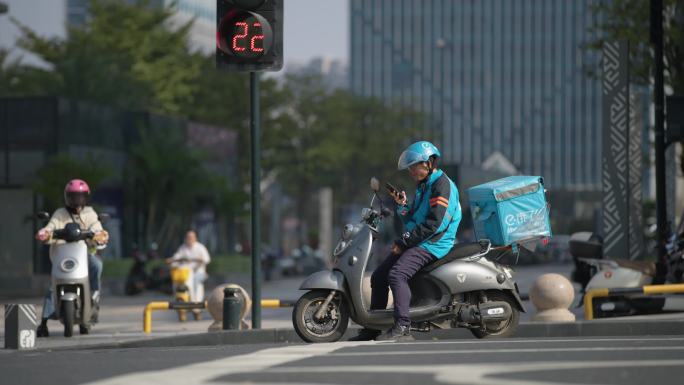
[[197, 257]]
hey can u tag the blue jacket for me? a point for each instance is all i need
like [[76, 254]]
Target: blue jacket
[[432, 220]]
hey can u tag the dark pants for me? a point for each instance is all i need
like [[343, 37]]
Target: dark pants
[[395, 272]]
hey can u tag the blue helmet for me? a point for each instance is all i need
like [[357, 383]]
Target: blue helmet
[[416, 153]]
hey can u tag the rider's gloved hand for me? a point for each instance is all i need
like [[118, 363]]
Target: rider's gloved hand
[[43, 235]]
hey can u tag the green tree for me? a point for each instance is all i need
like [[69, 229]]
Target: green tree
[[630, 20], [126, 55], [173, 180], [54, 175], [333, 138]]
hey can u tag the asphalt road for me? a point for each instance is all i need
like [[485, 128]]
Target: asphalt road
[[627, 360]]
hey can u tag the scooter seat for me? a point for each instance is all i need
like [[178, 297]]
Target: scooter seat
[[645, 267], [459, 251]]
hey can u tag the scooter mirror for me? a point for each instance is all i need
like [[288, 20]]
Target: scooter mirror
[[43, 216], [375, 184], [103, 217]]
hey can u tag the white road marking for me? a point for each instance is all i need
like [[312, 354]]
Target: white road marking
[[476, 374], [549, 340], [268, 361], [520, 350], [206, 371]]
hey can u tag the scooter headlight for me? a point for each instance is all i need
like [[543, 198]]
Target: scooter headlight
[[68, 265]]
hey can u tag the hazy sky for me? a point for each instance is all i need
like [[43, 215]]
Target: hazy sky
[[315, 28], [312, 27]]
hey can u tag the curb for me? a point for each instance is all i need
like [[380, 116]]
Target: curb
[[600, 328], [525, 330]]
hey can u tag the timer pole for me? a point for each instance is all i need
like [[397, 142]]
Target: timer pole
[[256, 193]]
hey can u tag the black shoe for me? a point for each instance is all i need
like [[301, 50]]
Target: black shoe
[[42, 330], [398, 333], [366, 335]]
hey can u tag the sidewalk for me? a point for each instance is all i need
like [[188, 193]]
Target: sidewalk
[[121, 317]]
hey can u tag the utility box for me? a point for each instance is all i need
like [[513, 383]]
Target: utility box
[[510, 210], [20, 326]]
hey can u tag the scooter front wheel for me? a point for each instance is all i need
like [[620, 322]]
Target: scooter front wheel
[[330, 327], [68, 314]]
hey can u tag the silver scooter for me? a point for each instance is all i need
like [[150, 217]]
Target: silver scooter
[[70, 284], [463, 289]]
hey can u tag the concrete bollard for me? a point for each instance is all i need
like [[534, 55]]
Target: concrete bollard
[[20, 326], [552, 294], [215, 306]]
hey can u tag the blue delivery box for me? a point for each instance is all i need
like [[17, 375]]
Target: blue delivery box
[[510, 210]]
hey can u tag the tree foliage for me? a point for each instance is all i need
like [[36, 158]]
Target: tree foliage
[[630, 20], [125, 55], [53, 176]]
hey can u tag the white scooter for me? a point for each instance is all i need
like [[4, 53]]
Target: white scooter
[[592, 271], [70, 284]]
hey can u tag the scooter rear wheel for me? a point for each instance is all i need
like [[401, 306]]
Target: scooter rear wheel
[[330, 328], [500, 329]]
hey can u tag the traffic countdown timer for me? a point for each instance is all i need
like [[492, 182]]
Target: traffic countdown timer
[[249, 35]]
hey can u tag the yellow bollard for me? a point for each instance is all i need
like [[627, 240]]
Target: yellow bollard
[[650, 289], [589, 301], [147, 314]]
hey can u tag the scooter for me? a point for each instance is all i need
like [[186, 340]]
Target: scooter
[[462, 289], [182, 280], [593, 271], [74, 304]]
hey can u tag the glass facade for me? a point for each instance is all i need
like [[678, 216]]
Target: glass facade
[[505, 76]]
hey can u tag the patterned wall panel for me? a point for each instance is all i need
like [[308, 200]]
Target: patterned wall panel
[[615, 162]]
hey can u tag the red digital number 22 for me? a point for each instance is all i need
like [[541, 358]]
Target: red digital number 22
[[245, 31]]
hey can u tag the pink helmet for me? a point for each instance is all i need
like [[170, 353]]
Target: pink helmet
[[76, 193]]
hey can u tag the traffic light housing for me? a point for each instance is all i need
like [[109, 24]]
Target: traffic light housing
[[249, 35]]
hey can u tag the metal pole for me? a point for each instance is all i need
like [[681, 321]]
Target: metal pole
[[256, 193], [658, 97]]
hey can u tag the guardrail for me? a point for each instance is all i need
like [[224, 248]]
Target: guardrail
[[147, 314], [650, 289], [165, 305], [271, 303]]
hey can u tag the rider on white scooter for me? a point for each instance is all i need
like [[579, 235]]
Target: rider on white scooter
[[430, 225], [76, 195]]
